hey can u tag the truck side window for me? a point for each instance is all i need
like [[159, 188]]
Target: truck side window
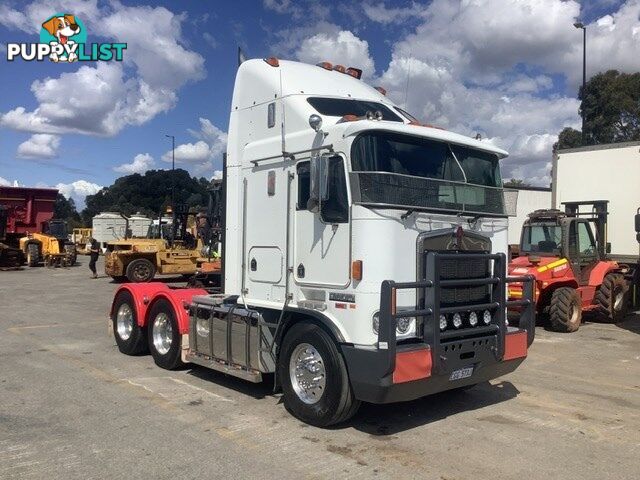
[[304, 183], [335, 209]]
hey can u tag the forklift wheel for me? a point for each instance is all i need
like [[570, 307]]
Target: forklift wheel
[[140, 270], [611, 298], [565, 311]]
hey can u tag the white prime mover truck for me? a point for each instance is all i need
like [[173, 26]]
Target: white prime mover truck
[[364, 254]]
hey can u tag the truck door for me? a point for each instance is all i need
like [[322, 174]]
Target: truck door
[[582, 250], [322, 238]]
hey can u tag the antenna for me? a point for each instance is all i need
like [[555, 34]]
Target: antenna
[[241, 56], [406, 87]]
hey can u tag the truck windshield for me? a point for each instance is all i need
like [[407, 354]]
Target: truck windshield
[[541, 239], [413, 172], [58, 230]]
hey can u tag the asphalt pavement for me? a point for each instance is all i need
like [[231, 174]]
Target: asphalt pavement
[[73, 407]]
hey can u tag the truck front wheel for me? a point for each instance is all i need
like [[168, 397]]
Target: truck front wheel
[[314, 377], [611, 298], [129, 336], [33, 255], [565, 310], [164, 336]]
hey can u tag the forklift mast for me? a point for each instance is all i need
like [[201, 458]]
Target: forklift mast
[[597, 215]]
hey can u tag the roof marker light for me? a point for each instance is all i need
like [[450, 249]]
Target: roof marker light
[[354, 72], [273, 61], [340, 68], [325, 65], [381, 90]]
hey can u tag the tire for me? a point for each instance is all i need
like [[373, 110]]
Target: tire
[[332, 401], [565, 310], [71, 255], [164, 336], [130, 337], [33, 255], [140, 270], [611, 298]]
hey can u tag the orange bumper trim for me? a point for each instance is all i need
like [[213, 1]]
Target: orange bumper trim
[[413, 365], [515, 345]]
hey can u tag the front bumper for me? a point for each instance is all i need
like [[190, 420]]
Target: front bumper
[[392, 372], [112, 266]]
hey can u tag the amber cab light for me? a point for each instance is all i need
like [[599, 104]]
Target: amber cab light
[[273, 61], [356, 269], [325, 65], [381, 90], [354, 72], [340, 68]]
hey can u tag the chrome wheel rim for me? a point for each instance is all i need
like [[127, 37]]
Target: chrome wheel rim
[[124, 321], [307, 373], [162, 333]]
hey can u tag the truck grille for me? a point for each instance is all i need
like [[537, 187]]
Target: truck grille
[[459, 269]]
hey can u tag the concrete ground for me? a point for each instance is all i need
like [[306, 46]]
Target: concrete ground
[[73, 407]]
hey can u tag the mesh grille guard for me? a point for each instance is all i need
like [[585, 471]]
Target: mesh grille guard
[[432, 288]]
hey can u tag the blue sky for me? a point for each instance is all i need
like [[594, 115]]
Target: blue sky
[[507, 69]]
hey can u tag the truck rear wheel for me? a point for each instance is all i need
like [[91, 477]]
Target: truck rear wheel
[[140, 270], [33, 255], [314, 377], [565, 311], [611, 298], [129, 336], [164, 336]]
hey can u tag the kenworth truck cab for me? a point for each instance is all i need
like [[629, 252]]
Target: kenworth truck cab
[[364, 254]]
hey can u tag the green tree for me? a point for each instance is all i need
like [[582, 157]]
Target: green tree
[[568, 138], [516, 182], [65, 209], [149, 194], [611, 105]]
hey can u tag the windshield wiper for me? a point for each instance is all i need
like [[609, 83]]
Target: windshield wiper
[[407, 214]]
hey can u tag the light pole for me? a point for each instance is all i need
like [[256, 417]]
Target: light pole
[[584, 69], [173, 167]]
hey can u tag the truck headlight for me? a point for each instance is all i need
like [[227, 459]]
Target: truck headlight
[[443, 322], [473, 319], [457, 320], [375, 324], [403, 325], [486, 317]]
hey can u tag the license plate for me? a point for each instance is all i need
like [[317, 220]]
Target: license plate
[[461, 373]]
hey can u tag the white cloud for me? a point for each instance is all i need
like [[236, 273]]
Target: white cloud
[[39, 146], [78, 190], [210, 39], [201, 156], [478, 66], [380, 13], [344, 48], [105, 98], [140, 164], [4, 182], [217, 175]]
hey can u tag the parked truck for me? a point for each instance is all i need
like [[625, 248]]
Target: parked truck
[[363, 254]]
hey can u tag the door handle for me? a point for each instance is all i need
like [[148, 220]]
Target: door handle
[[253, 265]]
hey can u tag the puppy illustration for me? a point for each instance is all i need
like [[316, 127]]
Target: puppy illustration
[[62, 28]]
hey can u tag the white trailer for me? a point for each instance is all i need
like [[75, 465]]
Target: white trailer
[[608, 172], [523, 201], [364, 254]]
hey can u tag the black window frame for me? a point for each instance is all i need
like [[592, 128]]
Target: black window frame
[[336, 164]]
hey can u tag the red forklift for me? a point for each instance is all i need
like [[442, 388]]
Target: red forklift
[[570, 265]]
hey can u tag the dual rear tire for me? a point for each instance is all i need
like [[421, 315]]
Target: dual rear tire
[[161, 337]]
